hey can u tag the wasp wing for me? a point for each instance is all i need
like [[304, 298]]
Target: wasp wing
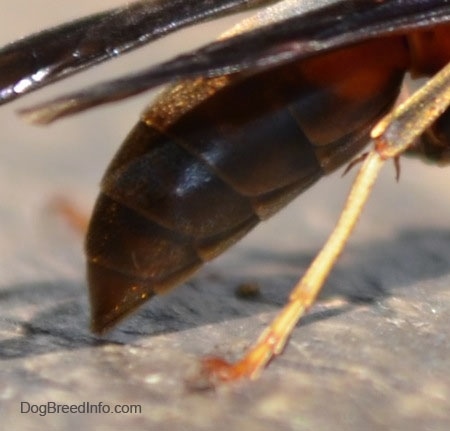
[[340, 24], [58, 52]]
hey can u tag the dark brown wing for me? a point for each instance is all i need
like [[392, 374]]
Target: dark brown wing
[[339, 24], [58, 52]]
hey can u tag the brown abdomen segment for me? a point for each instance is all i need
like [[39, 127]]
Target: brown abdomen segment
[[177, 196]]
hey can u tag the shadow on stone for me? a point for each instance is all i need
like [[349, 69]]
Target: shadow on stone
[[366, 273]]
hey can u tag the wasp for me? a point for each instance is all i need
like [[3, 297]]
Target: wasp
[[249, 122]]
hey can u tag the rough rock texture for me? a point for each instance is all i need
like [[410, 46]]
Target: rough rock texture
[[373, 354]]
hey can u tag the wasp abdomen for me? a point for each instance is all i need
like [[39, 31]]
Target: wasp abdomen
[[178, 196]]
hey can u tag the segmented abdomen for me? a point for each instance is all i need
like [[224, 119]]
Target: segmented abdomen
[[176, 197]]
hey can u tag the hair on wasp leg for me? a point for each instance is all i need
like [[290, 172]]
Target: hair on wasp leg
[[200, 170], [416, 115]]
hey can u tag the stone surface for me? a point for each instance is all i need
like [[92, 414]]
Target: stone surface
[[373, 353]]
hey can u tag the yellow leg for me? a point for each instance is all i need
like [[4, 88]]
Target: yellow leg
[[274, 338], [392, 135]]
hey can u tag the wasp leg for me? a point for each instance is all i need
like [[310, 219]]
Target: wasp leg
[[71, 214], [392, 135], [274, 338]]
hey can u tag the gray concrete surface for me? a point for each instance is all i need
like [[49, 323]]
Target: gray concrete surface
[[373, 354]]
